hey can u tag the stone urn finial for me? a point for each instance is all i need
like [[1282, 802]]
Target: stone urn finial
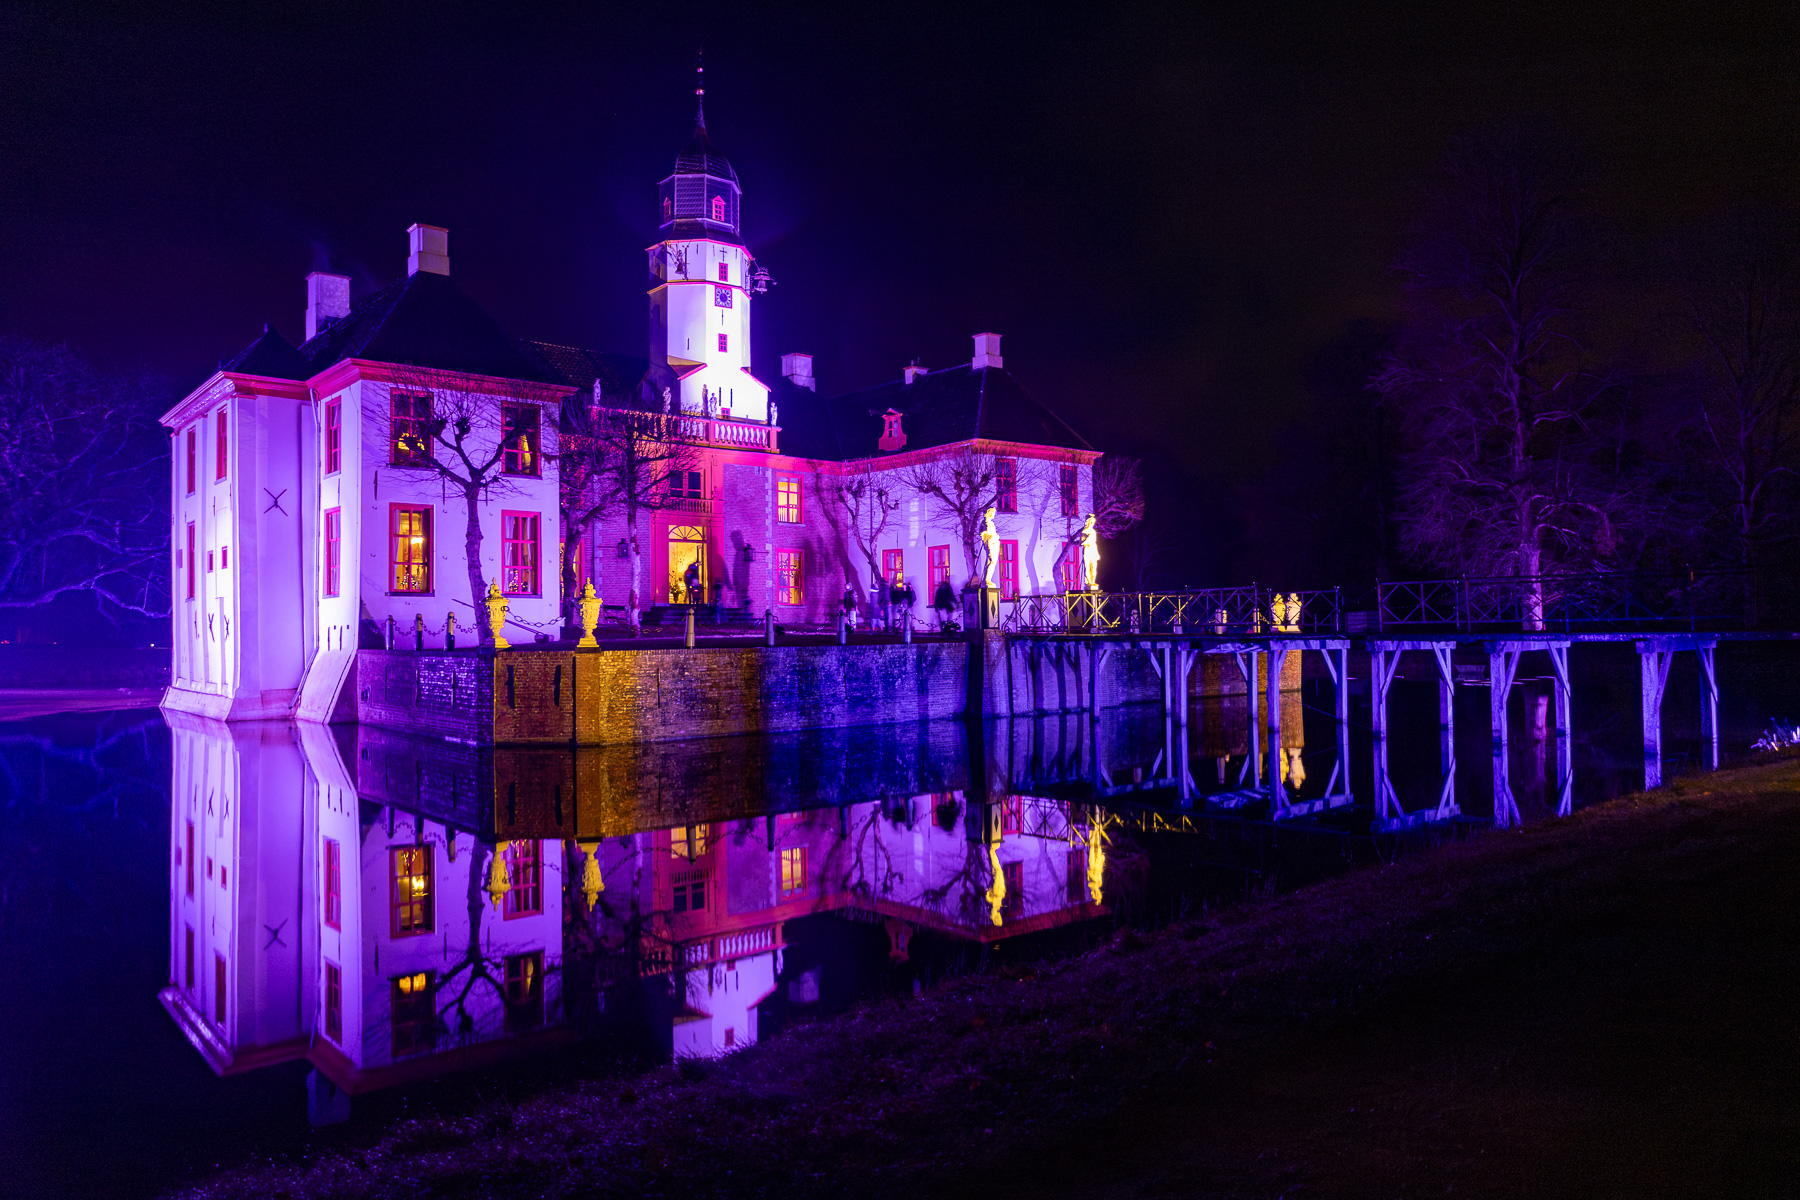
[[498, 884], [590, 614], [496, 616]]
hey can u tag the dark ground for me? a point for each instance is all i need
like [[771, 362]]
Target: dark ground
[[1601, 1006]]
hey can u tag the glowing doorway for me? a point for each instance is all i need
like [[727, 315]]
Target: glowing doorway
[[687, 545]]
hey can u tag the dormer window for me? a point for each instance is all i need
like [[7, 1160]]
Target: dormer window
[[718, 208], [668, 208], [892, 436]]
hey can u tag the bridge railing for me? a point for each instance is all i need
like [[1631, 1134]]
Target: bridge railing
[[1585, 603], [1218, 612]]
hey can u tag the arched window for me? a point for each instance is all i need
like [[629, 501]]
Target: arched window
[[718, 208], [668, 208]]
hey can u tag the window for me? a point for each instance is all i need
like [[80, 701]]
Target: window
[[409, 428], [334, 437], [689, 842], [224, 558], [724, 273], [690, 894], [525, 868], [1013, 907], [211, 558], [938, 560], [414, 1021], [187, 974], [521, 456], [1009, 570], [519, 553], [686, 485], [893, 567], [1071, 490], [191, 566], [793, 872], [409, 890], [1006, 484], [334, 545], [524, 991], [893, 437], [1076, 887], [718, 208], [1012, 814], [190, 858], [334, 884], [787, 577], [193, 440], [724, 342], [334, 1003], [668, 209], [410, 548], [221, 989], [224, 446], [787, 499], [1068, 568]]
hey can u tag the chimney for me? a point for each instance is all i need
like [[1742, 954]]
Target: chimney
[[797, 370], [914, 371], [327, 301], [429, 249], [987, 351]]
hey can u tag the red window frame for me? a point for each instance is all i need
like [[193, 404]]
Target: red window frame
[[523, 991], [718, 208], [1009, 569], [1071, 490], [1012, 814], [193, 443], [893, 567], [224, 558], [1013, 907], [524, 456], [1068, 568], [192, 567], [334, 436], [1075, 888], [409, 565], [334, 549], [525, 870], [188, 960], [224, 444], [411, 895], [724, 273], [334, 884], [221, 988], [334, 1002], [793, 872], [519, 556], [788, 564], [938, 559], [408, 415], [190, 858], [787, 499], [1006, 484], [724, 343], [413, 1013]]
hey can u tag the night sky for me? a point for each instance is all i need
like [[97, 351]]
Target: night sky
[[1174, 216]]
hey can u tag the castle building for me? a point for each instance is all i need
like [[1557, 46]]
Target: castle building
[[367, 486]]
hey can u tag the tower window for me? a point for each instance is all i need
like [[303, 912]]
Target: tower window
[[668, 208], [724, 273], [718, 208], [724, 343], [1071, 491]]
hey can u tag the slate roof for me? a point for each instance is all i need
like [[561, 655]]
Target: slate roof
[[699, 158], [424, 321], [956, 404], [621, 376], [271, 356]]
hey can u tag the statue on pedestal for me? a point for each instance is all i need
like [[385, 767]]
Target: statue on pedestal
[[1090, 555], [990, 543]]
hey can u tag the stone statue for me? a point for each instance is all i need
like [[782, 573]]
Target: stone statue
[[498, 883], [589, 604], [1090, 555], [990, 542], [497, 605], [592, 883]]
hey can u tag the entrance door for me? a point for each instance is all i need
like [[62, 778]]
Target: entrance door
[[687, 544]]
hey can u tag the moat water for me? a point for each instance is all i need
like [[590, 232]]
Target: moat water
[[338, 926]]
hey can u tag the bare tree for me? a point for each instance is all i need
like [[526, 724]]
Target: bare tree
[[958, 487], [642, 453], [586, 486], [463, 436], [1118, 494], [863, 499], [1506, 470], [83, 491]]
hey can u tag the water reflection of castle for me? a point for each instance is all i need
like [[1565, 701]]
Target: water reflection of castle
[[389, 908]]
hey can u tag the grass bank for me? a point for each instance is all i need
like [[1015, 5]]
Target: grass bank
[[1597, 1006]]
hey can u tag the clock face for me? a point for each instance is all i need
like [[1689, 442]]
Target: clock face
[[721, 297]]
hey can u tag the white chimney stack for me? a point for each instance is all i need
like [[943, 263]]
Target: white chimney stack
[[429, 249], [987, 351], [327, 300], [915, 371], [797, 370]]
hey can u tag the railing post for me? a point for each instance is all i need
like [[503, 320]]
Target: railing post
[[688, 641], [768, 627]]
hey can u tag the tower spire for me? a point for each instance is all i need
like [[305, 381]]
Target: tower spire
[[700, 90]]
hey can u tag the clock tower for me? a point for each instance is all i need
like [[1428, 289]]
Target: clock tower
[[701, 280]]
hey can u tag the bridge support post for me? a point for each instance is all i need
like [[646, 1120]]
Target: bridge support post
[[1653, 670], [1503, 666], [1277, 761], [1709, 709], [1564, 755], [1447, 806], [1247, 662]]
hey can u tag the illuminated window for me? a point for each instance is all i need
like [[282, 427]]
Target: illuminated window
[[937, 558], [519, 553], [190, 561], [193, 439], [334, 1003], [686, 485], [1009, 570], [334, 545], [524, 991], [893, 567], [1006, 484], [723, 343], [409, 429], [521, 456], [1076, 886], [688, 842], [224, 446], [409, 554], [414, 1020], [409, 890], [787, 499], [525, 868], [718, 208], [1013, 907], [787, 577], [334, 884], [793, 872], [1012, 813], [1071, 491], [221, 989], [334, 437], [724, 273]]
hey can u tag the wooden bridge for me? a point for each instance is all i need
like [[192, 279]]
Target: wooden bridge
[[1661, 615]]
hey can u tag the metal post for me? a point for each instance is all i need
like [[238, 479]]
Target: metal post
[[1383, 665], [768, 627], [1502, 663], [1277, 763], [1247, 662], [1447, 806], [906, 627], [1168, 680], [1709, 709], [688, 641], [843, 629], [1653, 664], [1564, 753]]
